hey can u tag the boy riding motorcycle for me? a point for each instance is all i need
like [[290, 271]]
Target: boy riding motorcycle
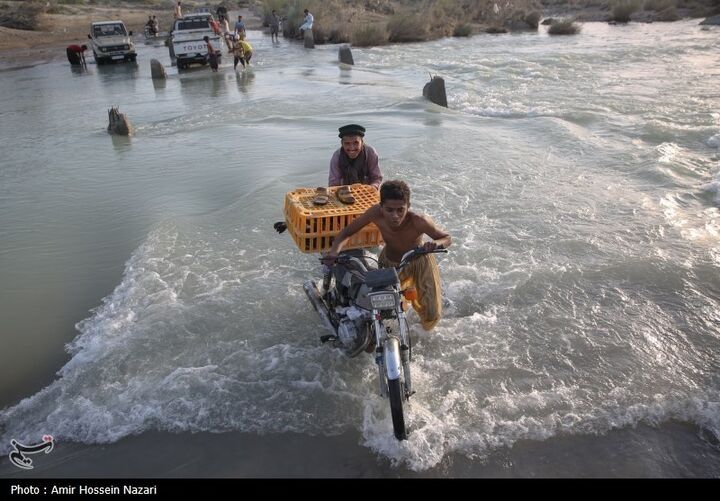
[[402, 231]]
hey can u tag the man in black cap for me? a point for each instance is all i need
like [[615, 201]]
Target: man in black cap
[[354, 161]]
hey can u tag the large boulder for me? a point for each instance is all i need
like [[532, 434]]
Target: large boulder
[[712, 20], [309, 39], [157, 70], [345, 55], [434, 90], [118, 123]]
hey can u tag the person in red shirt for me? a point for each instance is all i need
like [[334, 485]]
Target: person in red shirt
[[215, 26], [76, 54]]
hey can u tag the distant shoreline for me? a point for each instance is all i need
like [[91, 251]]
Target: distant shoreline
[[23, 48]]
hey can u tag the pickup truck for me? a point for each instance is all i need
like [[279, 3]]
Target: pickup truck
[[110, 41], [186, 41]]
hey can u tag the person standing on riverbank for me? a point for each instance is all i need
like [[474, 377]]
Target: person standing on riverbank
[[178, 11], [274, 26]]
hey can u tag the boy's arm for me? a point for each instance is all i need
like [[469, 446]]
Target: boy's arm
[[357, 225], [440, 237]]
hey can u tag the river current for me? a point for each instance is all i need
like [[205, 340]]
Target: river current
[[144, 290]]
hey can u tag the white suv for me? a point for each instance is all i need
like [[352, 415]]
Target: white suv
[[186, 42], [111, 42]]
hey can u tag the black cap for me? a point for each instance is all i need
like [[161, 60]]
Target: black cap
[[352, 130]]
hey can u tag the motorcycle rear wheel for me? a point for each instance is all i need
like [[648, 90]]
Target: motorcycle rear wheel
[[396, 408]]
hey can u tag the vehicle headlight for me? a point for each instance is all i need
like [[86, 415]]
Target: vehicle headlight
[[382, 301], [103, 49]]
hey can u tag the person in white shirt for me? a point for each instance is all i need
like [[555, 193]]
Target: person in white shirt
[[307, 22], [224, 25]]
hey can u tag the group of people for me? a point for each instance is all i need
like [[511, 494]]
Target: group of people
[[238, 46], [402, 229]]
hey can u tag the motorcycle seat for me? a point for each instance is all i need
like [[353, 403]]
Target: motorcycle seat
[[381, 278]]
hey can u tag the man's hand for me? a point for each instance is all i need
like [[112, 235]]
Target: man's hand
[[280, 226], [329, 259], [430, 246]]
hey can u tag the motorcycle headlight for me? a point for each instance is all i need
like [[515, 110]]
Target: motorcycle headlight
[[382, 301]]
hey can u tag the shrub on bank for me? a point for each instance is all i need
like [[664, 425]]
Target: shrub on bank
[[368, 36], [407, 28], [493, 30], [462, 30], [338, 35], [564, 27], [411, 21], [659, 5], [622, 10], [667, 16], [533, 19], [24, 16]]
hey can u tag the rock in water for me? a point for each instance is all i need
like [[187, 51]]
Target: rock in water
[[119, 124], [309, 39], [157, 70], [711, 21], [345, 55], [434, 90]]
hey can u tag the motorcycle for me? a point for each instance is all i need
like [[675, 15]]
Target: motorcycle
[[361, 304]]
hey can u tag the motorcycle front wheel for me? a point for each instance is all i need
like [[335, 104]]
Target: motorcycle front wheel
[[396, 408]]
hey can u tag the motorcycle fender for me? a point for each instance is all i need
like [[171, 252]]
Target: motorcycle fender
[[393, 365]]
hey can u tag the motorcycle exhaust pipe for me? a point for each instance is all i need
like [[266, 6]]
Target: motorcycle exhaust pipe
[[313, 294]]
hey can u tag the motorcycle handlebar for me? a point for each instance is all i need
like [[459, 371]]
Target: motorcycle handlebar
[[417, 251]]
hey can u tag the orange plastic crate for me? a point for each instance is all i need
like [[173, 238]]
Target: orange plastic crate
[[314, 227]]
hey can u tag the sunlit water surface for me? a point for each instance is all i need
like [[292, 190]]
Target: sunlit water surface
[[577, 175]]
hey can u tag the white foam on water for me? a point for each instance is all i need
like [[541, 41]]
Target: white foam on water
[[202, 335]]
